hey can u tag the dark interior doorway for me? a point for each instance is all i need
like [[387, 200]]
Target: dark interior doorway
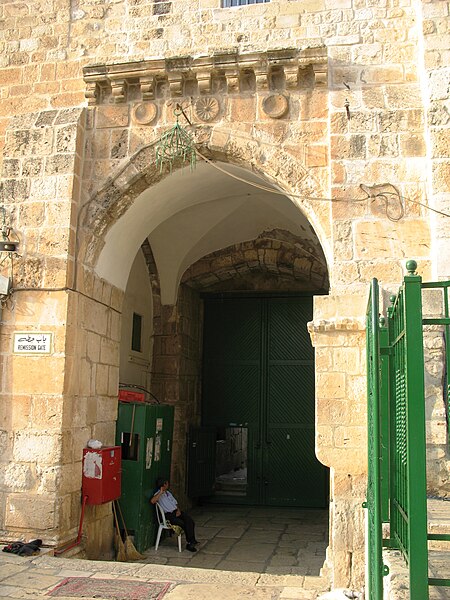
[[256, 443]]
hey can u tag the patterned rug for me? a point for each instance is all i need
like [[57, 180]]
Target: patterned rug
[[110, 589]]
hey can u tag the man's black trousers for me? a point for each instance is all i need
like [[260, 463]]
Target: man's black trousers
[[185, 522]]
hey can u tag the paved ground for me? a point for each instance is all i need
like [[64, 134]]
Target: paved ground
[[255, 554], [266, 540], [397, 583], [258, 554]]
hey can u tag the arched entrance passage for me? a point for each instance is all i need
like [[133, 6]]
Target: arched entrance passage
[[256, 443], [207, 232]]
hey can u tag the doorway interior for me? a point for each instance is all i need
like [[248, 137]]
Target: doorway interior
[[256, 442]]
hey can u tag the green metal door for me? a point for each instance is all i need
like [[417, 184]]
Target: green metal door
[[232, 382], [201, 461], [145, 434], [258, 374], [290, 464]]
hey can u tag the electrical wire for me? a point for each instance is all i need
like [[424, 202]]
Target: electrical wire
[[379, 196], [350, 200]]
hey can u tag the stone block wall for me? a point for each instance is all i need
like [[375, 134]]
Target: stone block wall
[[32, 418], [436, 379], [377, 114], [338, 336], [40, 186], [52, 404], [90, 401], [176, 374], [435, 19], [436, 78]]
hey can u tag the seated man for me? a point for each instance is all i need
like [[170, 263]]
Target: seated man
[[174, 515]]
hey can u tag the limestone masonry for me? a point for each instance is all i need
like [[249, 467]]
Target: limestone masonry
[[322, 131]]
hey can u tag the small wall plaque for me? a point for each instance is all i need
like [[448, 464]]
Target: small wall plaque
[[275, 105], [144, 113], [32, 342]]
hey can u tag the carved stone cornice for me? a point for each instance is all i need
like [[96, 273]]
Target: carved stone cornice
[[228, 71]]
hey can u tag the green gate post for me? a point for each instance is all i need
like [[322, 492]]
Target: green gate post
[[416, 441], [384, 418], [393, 542], [373, 503]]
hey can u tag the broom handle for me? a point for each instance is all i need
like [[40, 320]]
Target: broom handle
[[121, 516], [115, 519]]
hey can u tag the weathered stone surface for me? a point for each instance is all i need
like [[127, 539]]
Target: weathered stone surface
[[376, 239], [30, 512], [368, 113]]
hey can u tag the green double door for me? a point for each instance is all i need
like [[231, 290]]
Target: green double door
[[258, 383]]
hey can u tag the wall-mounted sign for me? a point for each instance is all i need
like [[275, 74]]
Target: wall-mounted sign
[[29, 342]]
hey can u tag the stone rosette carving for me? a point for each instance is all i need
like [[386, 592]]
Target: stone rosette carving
[[144, 113], [275, 105], [207, 108]]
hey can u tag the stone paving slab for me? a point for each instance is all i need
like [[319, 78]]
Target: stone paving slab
[[262, 536], [282, 561], [250, 553], [236, 565], [294, 593], [231, 531], [31, 580], [266, 526], [218, 545], [209, 592], [178, 562], [206, 531], [10, 569], [207, 561], [41, 574], [241, 554], [249, 536]]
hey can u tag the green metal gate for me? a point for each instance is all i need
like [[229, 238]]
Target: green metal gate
[[396, 420], [373, 503], [258, 373]]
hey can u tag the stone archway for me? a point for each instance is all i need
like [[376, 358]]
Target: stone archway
[[141, 197], [280, 248], [126, 195]]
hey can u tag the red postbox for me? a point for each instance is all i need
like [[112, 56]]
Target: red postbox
[[101, 474]]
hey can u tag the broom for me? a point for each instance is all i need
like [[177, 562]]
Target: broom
[[130, 549], [121, 555]]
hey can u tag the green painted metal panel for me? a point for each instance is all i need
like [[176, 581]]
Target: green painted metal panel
[[147, 458], [416, 493], [231, 362], [201, 446], [375, 546], [294, 477], [258, 372], [290, 461], [384, 417]]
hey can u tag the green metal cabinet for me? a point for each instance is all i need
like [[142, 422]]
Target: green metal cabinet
[[144, 432]]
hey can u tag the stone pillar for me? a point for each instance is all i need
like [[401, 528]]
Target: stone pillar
[[91, 388], [52, 404], [40, 190], [337, 334], [176, 373]]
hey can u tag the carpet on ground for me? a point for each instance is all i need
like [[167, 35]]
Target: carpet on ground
[[110, 589]]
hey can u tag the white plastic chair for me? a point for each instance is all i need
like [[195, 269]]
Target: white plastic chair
[[164, 524]]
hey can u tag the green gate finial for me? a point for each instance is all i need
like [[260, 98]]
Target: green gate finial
[[175, 145], [411, 267]]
